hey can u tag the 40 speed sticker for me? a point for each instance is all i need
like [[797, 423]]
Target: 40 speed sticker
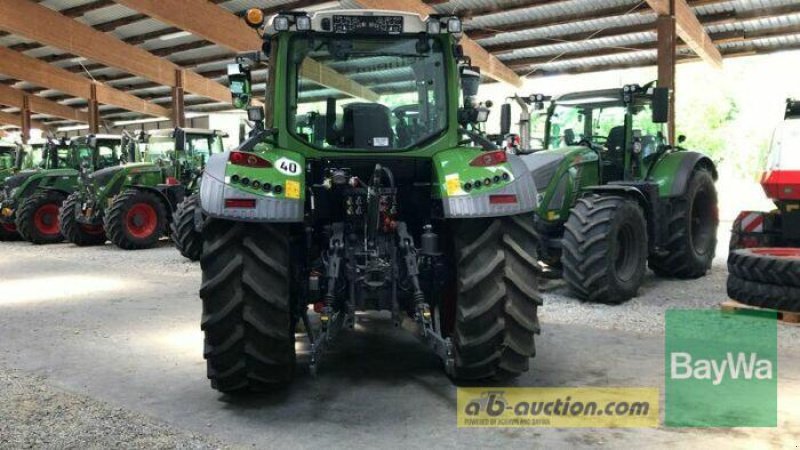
[[288, 167], [557, 407]]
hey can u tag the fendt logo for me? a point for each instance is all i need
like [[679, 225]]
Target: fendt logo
[[742, 366]]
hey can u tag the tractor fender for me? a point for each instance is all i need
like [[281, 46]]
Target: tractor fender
[[64, 192], [453, 173], [215, 188], [674, 171]]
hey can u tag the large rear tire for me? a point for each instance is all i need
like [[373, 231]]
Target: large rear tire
[[779, 266], [693, 225], [764, 295], [37, 218], [497, 297], [136, 220], [605, 248], [247, 312], [79, 234], [187, 239]]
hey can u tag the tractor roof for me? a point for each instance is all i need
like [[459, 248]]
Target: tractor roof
[[345, 21], [594, 98], [169, 132]]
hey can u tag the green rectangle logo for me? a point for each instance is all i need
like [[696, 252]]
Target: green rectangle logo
[[721, 369]]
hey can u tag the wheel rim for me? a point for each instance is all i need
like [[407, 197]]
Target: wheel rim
[[10, 227], [702, 224], [45, 219], [793, 253], [141, 220], [94, 230], [626, 262]]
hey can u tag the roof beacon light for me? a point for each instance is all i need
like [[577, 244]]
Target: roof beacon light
[[254, 17], [281, 23], [303, 23], [454, 25]]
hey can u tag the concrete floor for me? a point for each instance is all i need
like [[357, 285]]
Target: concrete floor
[[123, 328]]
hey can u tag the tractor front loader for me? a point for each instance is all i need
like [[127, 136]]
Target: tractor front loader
[[615, 197]]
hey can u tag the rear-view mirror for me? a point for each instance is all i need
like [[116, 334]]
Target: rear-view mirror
[[661, 105], [505, 119]]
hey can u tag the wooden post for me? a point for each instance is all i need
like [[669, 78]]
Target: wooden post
[[178, 110], [26, 119], [94, 110], [666, 25]]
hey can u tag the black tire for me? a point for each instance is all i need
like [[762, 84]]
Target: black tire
[[693, 225], [78, 233], [8, 232], [766, 265], [763, 295], [187, 239], [497, 303], [604, 250], [120, 225], [247, 312], [37, 218]]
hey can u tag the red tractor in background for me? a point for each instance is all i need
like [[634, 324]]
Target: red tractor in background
[[764, 262]]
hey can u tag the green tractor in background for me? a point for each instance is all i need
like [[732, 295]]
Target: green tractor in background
[[131, 204], [32, 198], [613, 195], [8, 157]]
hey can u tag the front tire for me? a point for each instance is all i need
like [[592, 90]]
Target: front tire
[[187, 239], [136, 220], [497, 297], [37, 218], [605, 249], [79, 234], [693, 231], [247, 312]]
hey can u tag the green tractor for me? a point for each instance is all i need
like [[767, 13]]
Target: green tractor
[[131, 204], [402, 206], [32, 198], [8, 152], [614, 196]]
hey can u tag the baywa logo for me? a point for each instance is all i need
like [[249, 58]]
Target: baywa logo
[[742, 366], [721, 369]]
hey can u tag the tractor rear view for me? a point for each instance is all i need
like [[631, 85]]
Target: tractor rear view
[[132, 204], [615, 197], [388, 206], [764, 263]]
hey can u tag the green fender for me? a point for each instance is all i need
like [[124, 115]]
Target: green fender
[[673, 171]]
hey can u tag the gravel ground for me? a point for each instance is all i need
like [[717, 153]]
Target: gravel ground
[[74, 322], [34, 414]]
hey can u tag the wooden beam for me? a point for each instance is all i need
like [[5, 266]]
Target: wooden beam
[[15, 120], [231, 32], [51, 28], [667, 39], [489, 64], [25, 115], [16, 98], [178, 109], [94, 111], [22, 67], [689, 29]]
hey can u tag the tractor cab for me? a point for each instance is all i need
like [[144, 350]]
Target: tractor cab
[[95, 152], [620, 125], [7, 156], [182, 153]]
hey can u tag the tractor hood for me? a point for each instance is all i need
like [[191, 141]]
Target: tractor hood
[[103, 176], [543, 166], [18, 179]]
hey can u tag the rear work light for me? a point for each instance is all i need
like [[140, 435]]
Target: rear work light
[[502, 199], [248, 160], [489, 159], [244, 203]]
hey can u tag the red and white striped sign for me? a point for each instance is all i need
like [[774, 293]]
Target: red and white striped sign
[[752, 222]]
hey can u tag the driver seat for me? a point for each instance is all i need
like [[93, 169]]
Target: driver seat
[[613, 164]]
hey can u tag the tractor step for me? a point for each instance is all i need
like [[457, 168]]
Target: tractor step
[[734, 307]]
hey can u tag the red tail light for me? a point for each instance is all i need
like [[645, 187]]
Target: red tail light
[[489, 159], [246, 203], [248, 160], [502, 199]]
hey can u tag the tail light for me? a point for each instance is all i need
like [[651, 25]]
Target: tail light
[[502, 199], [248, 160], [245, 203], [489, 159]]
